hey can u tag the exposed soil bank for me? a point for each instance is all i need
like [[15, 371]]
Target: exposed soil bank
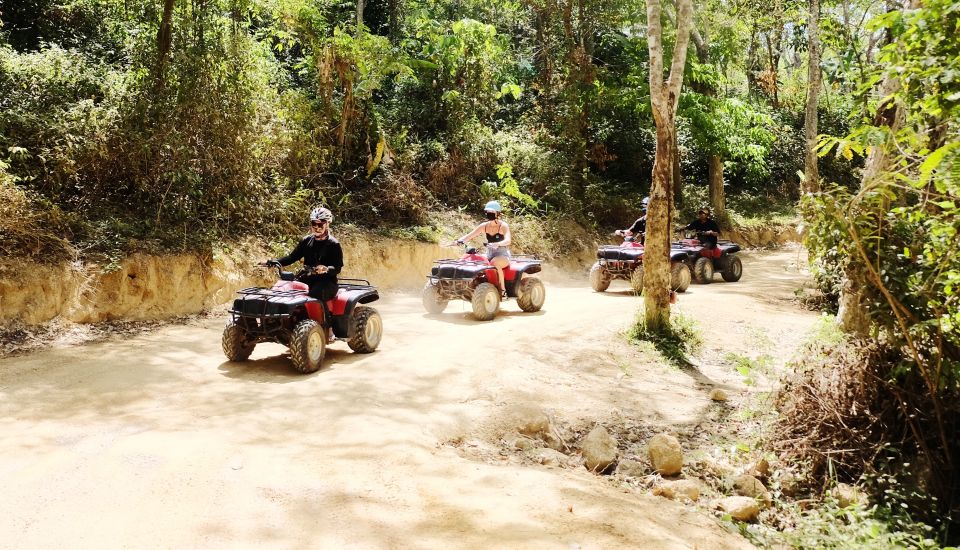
[[156, 287]]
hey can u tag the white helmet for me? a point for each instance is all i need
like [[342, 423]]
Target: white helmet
[[321, 213]]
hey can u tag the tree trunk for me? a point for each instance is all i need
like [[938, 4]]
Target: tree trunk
[[164, 41], [852, 312], [360, 6], [811, 176], [394, 20], [718, 200], [656, 255], [677, 176], [664, 97]]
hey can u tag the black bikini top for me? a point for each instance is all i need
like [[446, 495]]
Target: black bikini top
[[495, 237]]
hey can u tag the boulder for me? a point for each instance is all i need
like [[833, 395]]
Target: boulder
[[681, 489], [749, 486], [666, 455], [524, 444], [847, 495], [599, 450], [718, 395], [760, 469], [532, 422], [740, 508], [548, 457]]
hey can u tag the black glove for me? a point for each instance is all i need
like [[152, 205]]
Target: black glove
[[272, 263]]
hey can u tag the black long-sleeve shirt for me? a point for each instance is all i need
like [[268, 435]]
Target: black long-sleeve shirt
[[316, 252], [639, 226], [701, 226]]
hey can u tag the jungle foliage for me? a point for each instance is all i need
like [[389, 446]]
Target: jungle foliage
[[123, 126]]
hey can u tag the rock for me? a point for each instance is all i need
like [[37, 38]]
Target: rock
[[532, 422], [789, 484], [524, 444], [740, 508], [599, 450], [761, 469], [749, 486], [631, 468], [552, 441], [678, 490], [666, 455], [846, 495], [716, 468], [718, 395], [548, 457]]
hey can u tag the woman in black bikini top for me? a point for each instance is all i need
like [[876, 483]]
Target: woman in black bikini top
[[497, 243]]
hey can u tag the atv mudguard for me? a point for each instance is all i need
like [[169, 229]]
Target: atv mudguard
[[341, 306]]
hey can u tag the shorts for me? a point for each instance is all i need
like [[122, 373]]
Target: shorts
[[498, 252]]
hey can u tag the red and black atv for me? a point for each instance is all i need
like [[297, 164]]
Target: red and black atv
[[474, 279], [625, 261], [705, 261], [287, 315]]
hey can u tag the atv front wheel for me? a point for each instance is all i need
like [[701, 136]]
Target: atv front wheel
[[485, 302], [531, 294], [366, 329], [432, 301], [308, 344], [236, 342], [636, 279], [734, 270], [703, 271], [679, 276], [599, 278]]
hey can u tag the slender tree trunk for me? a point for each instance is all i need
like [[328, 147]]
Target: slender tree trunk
[[714, 162], [811, 176], [718, 200], [164, 41], [852, 312], [664, 97], [677, 176], [360, 7], [394, 20]]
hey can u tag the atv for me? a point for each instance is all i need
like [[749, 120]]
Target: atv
[[286, 314], [704, 261], [474, 279], [625, 261]]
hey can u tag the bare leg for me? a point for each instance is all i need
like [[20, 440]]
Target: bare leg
[[500, 262]]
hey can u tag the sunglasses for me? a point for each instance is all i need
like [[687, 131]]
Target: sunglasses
[[319, 223]]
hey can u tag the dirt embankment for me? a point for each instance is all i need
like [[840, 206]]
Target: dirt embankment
[[145, 287]]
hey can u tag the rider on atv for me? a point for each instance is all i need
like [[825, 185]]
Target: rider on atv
[[498, 240], [322, 257], [707, 229], [639, 227]]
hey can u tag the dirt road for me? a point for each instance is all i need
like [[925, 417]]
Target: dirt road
[[156, 441]]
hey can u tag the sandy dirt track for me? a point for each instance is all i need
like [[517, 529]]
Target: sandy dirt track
[[157, 442]]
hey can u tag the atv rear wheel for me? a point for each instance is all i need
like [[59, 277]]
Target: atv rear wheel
[[236, 342], [599, 277], [636, 279], [432, 301], [680, 276], [531, 294], [308, 344], [366, 329], [485, 302], [703, 271], [734, 270]]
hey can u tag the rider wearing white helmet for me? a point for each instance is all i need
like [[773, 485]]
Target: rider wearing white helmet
[[498, 239], [322, 256]]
